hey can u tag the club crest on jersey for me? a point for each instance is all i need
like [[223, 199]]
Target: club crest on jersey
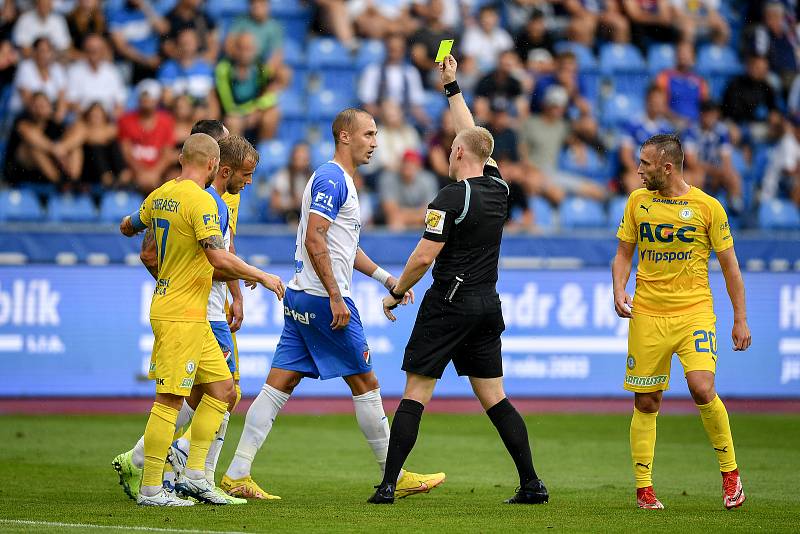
[[190, 366], [434, 221], [631, 361], [686, 214]]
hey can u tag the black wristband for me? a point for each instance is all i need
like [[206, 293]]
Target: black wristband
[[395, 295], [451, 89]]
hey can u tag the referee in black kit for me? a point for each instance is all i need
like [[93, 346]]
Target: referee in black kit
[[460, 318]]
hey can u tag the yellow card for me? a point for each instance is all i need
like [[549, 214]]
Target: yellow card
[[444, 48]]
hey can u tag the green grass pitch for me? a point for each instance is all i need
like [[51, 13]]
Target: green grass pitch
[[58, 470]]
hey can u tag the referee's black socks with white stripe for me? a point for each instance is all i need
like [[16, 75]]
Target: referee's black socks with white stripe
[[514, 433], [403, 436]]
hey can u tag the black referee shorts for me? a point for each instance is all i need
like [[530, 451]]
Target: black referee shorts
[[466, 331]]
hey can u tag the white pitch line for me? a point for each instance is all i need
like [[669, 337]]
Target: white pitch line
[[110, 527]]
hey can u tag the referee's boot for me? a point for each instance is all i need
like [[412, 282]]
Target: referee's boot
[[533, 492], [383, 495]]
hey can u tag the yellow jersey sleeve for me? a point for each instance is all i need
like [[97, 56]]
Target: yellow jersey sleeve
[[719, 231], [232, 201], [203, 216], [145, 210], [627, 226]]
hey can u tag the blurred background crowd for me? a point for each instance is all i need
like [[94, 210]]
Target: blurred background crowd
[[97, 98]]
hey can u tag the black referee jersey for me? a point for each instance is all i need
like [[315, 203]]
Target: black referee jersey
[[460, 318]]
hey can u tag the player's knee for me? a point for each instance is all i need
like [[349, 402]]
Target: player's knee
[[648, 402], [702, 392]]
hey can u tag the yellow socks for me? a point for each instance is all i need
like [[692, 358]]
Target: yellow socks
[[238, 397], [715, 420], [205, 423], [643, 446], [157, 438]]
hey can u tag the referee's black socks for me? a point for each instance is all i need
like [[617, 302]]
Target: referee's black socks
[[514, 433], [402, 437]]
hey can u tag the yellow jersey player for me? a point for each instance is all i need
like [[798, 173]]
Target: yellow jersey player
[[675, 227], [185, 223]]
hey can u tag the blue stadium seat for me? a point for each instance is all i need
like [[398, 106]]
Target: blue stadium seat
[[321, 152], [71, 208], [579, 212], [616, 208], [227, 8], [294, 28], [292, 105], [325, 104], [435, 105], [542, 213], [582, 53], [619, 109], [778, 214], [594, 167], [292, 130], [289, 8], [620, 57], [632, 82], [273, 155], [589, 80], [328, 52], [19, 205], [115, 205], [299, 83], [371, 51], [341, 80], [718, 60], [294, 54], [660, 56]]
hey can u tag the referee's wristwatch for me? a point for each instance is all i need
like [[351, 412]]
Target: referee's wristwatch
[[395, 295]]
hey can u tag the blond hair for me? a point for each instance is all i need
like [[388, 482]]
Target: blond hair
[[235, 151], [477, 141], [198, 149], [345, 121]]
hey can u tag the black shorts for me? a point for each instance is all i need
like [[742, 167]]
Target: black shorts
[[466, 331]]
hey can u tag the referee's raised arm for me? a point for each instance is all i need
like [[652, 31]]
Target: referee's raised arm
[[462, 116]]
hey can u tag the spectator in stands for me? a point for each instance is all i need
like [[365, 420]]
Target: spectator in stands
[[189, 74], [502, 86], [793, 100], [534, 35], [506, 141], [190, 14], [652, 122], [396, 79], [41, 74], [332, 18], [94, 137], [9, 57], [95, 79], [405, 194], [584, 151], [246, 93], [485, 41], [540, 64], [286, 186], [750, 99], [185, 115], [41, 22], [87, 18], [650, 20], [700, 20], [592, 17], [268, 35], [424, 43], [146, 136], [684, 88], [135, 29], [439, 148], [782, 178], [776, 40], [35, 152], [377, 20], [543, 138], [565, 75], [396, 136], [709, 152]]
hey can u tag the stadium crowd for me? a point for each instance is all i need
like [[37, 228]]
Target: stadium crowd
[[97, 98]]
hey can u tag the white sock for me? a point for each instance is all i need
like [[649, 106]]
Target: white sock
[[216, 447], [373, 423], [257, 424], [184, 416]]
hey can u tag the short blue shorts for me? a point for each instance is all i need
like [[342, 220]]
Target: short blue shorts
[[310, 346], [225, 339]]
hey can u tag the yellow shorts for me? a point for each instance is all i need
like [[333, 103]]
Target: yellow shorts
[[185, 354], [653, 340], [235, 357]]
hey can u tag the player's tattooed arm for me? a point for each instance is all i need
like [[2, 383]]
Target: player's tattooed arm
[[317, 247], [149, 254], [213, 242]]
